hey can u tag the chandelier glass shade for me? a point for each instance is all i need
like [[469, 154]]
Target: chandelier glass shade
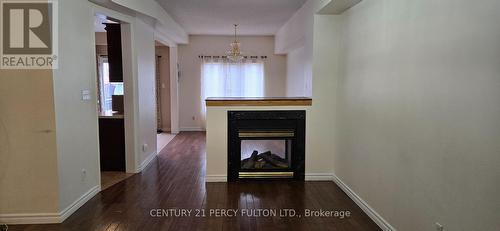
[[235, 53]]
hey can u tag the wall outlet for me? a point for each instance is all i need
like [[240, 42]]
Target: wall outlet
[[144, 147], [194, 117], [439, 227]]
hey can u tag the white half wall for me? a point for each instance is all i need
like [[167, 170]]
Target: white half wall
[[216, 145]]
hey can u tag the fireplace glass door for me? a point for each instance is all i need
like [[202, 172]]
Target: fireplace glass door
[[266, 145], [266, 154]]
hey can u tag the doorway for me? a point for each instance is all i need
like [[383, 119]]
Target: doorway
[[163, 96], [110, 96]]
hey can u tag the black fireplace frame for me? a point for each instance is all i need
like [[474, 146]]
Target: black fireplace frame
[[267, 120]]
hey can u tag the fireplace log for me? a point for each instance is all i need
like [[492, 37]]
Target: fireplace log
[[265, 160], [274, 159], [249, 163]]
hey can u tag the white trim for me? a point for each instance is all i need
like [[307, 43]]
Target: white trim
[[49, 218], [192, 129], [216, 178], [146, 162], [319, 177], [174, 90], [29, 218], [79, 202], [379, 220]]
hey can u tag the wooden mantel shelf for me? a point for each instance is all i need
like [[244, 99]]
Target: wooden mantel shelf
[[266, 101]]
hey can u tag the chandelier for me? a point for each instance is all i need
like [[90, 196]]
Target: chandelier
[[235, 53]]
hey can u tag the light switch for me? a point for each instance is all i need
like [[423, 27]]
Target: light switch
[[86, 95]]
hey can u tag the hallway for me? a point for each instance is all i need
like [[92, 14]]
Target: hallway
[[176, 180]]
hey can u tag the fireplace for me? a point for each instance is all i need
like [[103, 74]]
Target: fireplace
[[266, 145]]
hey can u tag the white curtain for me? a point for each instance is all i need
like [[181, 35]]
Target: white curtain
[[222, 78]]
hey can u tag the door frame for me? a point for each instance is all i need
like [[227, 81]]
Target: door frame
[[130, 84]]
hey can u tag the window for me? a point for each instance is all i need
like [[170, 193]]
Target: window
[[233, 79], [107, 89], [226, 79]]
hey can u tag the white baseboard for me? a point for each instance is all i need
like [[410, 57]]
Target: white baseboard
[[49, 218], [379, 220], [78, 203], [146, 162], [192, 129], [216, 178], [30, 218]]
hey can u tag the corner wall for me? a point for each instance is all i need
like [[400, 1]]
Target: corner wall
[[311, 46], [295, 39], [322, 115]]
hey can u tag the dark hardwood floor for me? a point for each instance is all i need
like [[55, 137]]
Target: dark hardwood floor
[[176, 180]]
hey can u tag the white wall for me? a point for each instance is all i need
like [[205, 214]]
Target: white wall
[[296, 84], [76, 120], [295, 38], [144, 45], [419, 129], [190, 88], [77, 134], [320, 126], [28, 152]]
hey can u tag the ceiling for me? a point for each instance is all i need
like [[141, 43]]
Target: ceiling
[[216, 17]]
